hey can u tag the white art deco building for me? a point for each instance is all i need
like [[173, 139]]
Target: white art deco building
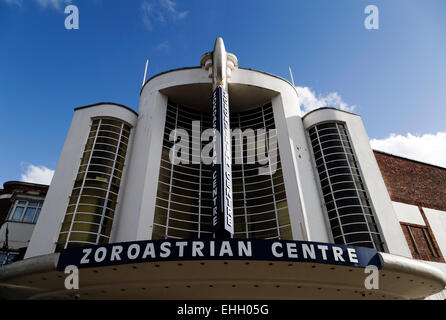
[[140, 226]]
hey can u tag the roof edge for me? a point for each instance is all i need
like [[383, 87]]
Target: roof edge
[[102, 103], [330, 108], [408, 159], [164, 72], [190, 68], [31, 184]]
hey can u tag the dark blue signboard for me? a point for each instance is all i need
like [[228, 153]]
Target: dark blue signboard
[[222, 210], [218, 249]]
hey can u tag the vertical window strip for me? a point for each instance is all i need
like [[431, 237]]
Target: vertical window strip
[[245, 146], [166, 235], [331, 187], [270, 174], [352, 174], [98, 229], [83, 180], [374, 241], [199, 181], [107, 195], [377, 245]]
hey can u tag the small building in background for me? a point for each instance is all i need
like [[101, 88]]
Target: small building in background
[[418, 194], [20, 205]]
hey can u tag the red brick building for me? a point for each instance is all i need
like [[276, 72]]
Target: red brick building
[[422, 187]]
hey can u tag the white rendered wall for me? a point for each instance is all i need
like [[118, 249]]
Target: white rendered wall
[[138, 203], [386, 217], [19, 234], [408, 213], [437, 222], [53, 211]]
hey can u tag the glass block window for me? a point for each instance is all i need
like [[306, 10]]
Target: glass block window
[[184, 197], [260, 204], [91, 208], [345, 197], [25, 211], [183, 206]]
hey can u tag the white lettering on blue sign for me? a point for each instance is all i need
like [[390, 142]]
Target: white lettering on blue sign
[[256, 249]]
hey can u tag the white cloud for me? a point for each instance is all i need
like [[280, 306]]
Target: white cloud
[[310, 101], [37, 174], [168, 4], [430, 148], [182, 15], [163, 46], [159, 11], [55, 4], [14, 2]]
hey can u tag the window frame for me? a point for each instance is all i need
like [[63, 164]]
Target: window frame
[[171, 179], [5, 257], [429, 243], [36, 214], [83, 186], [348, 150]]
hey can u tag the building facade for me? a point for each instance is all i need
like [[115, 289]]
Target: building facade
[[417, 192], [20, 206], [130, 180]]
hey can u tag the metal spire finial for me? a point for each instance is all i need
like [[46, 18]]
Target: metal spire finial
[[219, 64]]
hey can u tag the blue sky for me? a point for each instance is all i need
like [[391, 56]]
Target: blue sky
[[394, 77]]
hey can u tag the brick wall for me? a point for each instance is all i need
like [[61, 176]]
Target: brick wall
[[418, 184], [413, 182]]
